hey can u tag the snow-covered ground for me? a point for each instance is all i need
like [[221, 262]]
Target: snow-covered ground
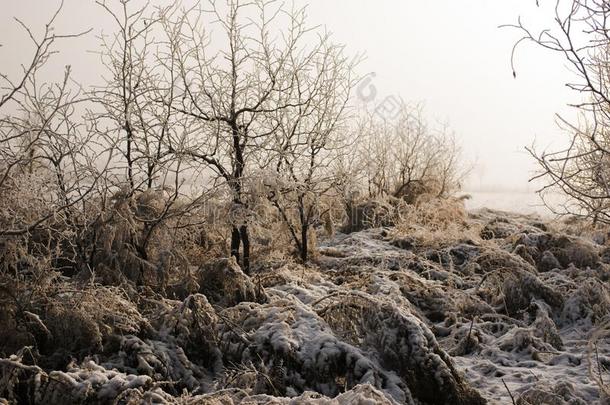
[[508, 307], [523, 312]]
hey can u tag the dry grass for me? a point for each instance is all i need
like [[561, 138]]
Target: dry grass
[[435, 221], [598, 371]]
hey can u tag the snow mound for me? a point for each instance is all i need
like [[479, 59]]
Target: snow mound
[[521, 312]]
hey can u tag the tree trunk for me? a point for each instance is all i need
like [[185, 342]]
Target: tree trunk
[[304, 227], [128, 156], [235, 241], [304, 243], [240, 238], [245, 240], [239, 235]]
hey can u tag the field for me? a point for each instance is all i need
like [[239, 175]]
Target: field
[[225, 208], [449, 308]]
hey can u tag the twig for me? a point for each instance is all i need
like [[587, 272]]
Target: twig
[[599, 367], [509, 393], [470, 330]]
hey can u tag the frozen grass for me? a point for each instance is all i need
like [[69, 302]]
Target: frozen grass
[[442, 307]]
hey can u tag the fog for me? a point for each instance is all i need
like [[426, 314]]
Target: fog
[[227, 204], [451, 56]]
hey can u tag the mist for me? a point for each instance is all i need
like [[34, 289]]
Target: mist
[[310, 202], [451, 57]]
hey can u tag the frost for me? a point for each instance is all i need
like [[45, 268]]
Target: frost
[[379, 319]]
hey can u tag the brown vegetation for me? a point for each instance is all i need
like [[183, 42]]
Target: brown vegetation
[[148, 226]]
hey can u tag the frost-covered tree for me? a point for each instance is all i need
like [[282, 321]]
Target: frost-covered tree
[[239, 74], [45, 151], [135, 117], [405, 157], [310, 135], [581, 169]]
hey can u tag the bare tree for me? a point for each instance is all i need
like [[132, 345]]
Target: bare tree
[[311, 135], [580, 34], [234, 94], [38, 131], [404, 157], [137, 95], [138, 120]]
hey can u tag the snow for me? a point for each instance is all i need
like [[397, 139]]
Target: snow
[[377, 319]]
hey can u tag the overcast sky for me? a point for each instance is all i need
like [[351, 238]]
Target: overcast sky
[[448, 54]]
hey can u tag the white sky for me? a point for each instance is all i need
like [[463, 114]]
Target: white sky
[[448, 54]]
